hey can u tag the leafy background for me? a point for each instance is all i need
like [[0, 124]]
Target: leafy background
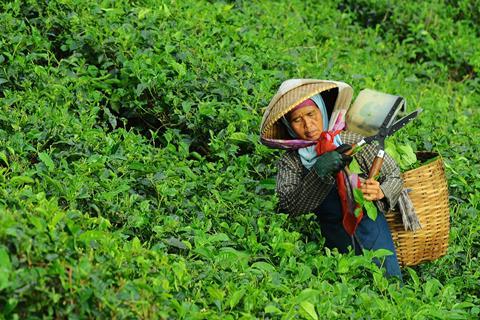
[[133, 183]]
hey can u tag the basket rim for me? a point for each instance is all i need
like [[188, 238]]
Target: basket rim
[[428, 158]]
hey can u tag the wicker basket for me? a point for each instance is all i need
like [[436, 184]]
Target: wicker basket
[[430, 199]]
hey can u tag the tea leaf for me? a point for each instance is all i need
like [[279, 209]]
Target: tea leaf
[[175, 242], [357, 211], [379, 253], [3, 157], [236, 297], [371, 210], [264, 266], [45, 158], [309, 309], [17, 180], [358, 196], [354, 167], [307, 294], [239, 136], [408, 156], [5, 268], [343, 266], [272, 309]]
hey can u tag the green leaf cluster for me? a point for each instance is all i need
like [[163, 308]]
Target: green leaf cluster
[[403, 155], [367, 205]]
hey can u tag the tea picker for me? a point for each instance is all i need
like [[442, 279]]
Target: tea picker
[[307, 118]]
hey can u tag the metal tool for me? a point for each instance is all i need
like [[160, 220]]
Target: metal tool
[[383, 132]]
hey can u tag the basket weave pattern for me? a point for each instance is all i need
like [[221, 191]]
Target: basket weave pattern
[[429, 195]]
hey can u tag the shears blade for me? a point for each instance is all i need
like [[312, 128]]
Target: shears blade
[[403, 121], [385, 132]]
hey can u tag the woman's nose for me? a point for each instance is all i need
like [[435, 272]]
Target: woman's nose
[[309, 123]]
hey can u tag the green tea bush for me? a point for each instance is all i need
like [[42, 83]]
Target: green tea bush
[[443, 36], [133, 183]]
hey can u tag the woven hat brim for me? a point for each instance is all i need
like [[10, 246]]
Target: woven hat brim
[[281, 104]]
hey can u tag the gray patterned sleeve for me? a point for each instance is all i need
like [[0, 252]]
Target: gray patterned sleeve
[[391, 183], [299, 190]]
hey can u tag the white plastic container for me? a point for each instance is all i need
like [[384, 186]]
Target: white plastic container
[[370, 109]]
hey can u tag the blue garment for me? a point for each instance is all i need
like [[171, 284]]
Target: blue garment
[[371, 235]]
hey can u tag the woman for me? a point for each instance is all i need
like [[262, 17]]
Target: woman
[[312, 177]]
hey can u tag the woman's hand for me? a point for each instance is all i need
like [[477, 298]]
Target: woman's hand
[[371, 190]]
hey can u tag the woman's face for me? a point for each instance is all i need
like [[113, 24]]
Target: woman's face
[[307, 123]]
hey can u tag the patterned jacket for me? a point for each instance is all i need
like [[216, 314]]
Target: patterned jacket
[[301, 190]]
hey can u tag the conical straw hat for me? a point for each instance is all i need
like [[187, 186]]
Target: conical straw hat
[[291, 93]]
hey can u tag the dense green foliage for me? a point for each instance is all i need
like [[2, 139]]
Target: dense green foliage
[[133, 184]]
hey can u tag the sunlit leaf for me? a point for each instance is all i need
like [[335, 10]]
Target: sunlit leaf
[[3, 157], [45, 157], [236, 297], [354, 167], [5, 267], [309, 309], [358, 196], [371, 210]]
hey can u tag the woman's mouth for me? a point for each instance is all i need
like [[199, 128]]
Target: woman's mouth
[[313, 135]]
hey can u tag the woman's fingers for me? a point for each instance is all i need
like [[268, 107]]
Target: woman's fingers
[[371, 190]]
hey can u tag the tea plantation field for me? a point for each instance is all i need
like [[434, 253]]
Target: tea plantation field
[[133, 184]]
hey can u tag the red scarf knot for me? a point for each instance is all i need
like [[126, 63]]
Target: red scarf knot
[[326, 142]]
